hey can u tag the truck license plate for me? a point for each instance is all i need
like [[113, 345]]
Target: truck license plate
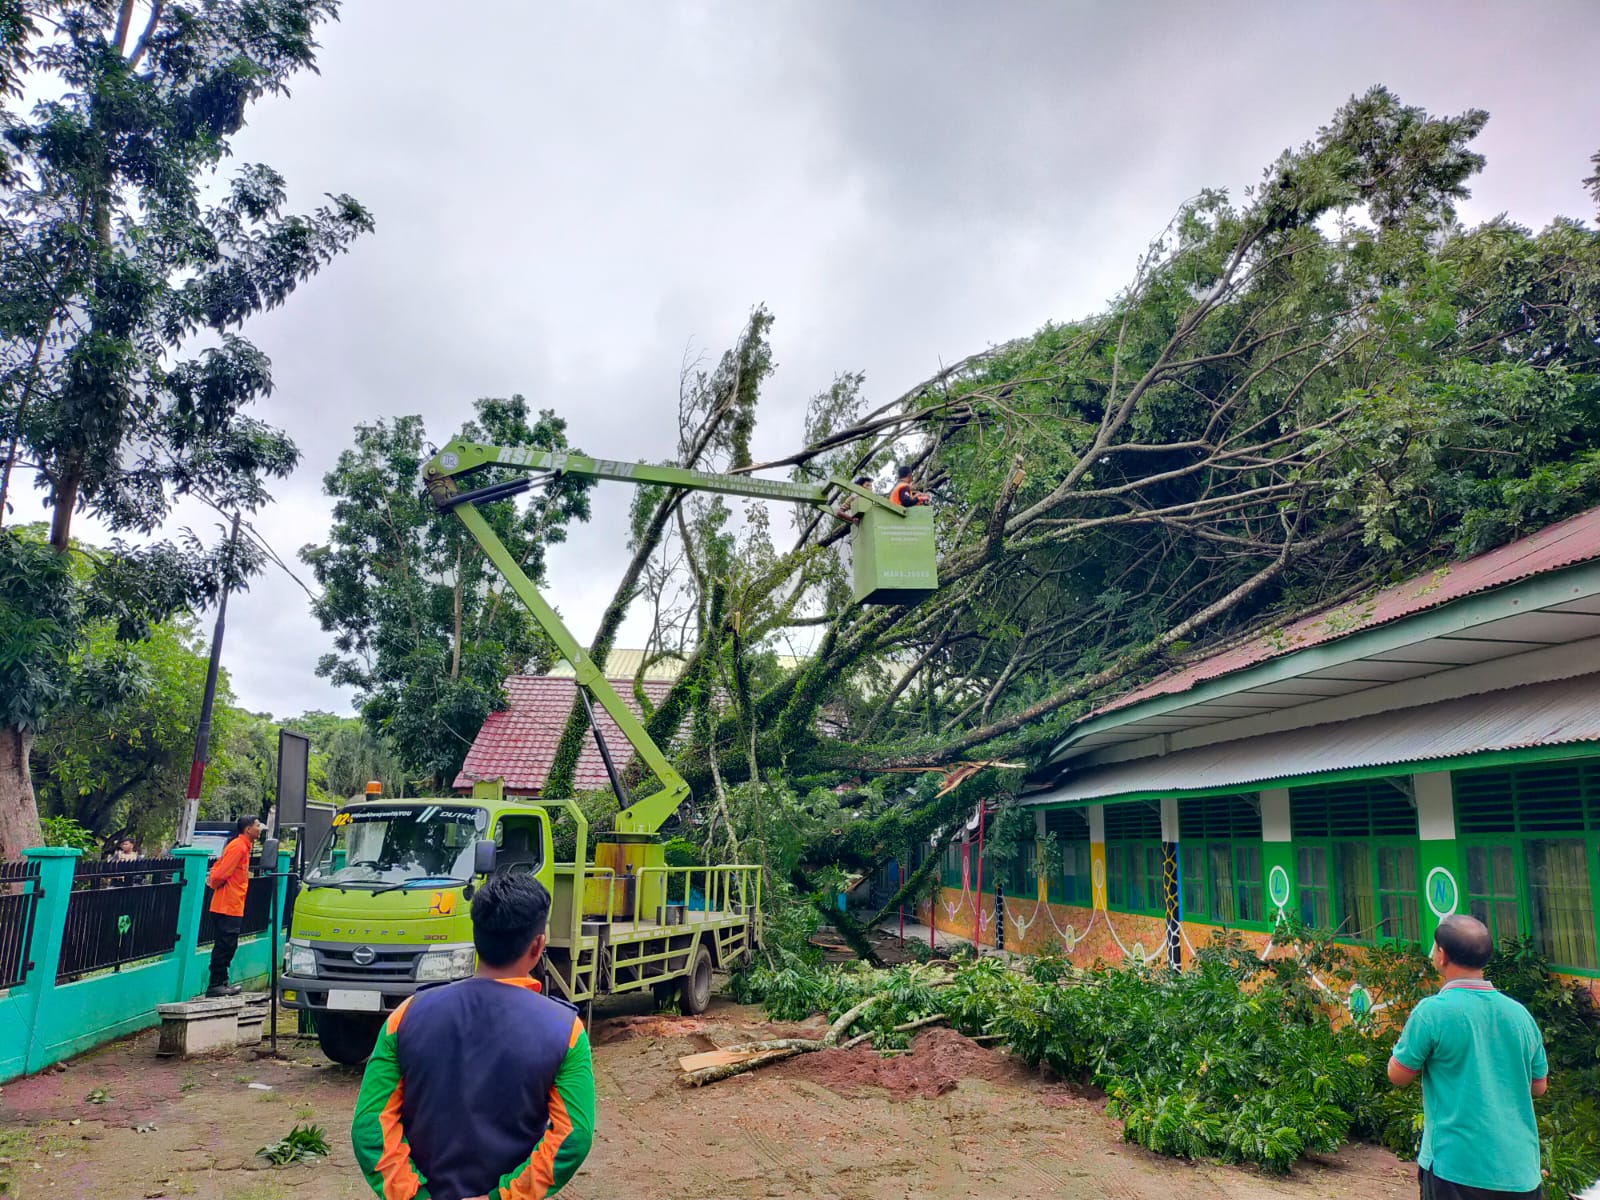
[[353, 1001]]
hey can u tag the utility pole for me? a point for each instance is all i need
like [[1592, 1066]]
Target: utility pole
[[202, 733]]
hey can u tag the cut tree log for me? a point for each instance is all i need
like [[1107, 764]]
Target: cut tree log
[[712, 1065]]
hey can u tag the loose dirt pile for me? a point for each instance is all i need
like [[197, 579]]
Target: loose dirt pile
[[937, 1061]]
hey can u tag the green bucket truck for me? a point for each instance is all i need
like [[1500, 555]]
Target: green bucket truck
[[385, 902]]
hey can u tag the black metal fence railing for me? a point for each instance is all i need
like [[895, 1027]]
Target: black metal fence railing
[[19, 897], [257, 907], [119, 913]]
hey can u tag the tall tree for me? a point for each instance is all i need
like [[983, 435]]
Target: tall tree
[[425, 629], [1300, 394], [119, 768], [114, 264]]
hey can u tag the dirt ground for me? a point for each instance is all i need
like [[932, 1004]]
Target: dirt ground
[[950, 1119]]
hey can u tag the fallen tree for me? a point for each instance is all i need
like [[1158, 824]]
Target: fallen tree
[[1237, 1058], [1323, 384]]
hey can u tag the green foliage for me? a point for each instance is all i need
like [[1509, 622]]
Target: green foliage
[[425, 628], [344, 757], [599, 809], [303, 1143], [64, 831], [128, 268], [41, 611], [1323, 384], [120, 765], [115, 261], [1223, 1060]]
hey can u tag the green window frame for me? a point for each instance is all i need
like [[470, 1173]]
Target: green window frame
[[1315, 891], [1532, 842], [1220, 861], [1357, 842], [1493, 893], [1069, 880], [1133, 858], [950, 865], [1021, 873], [1133, 877]]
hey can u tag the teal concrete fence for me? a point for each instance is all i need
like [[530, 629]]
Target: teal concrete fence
[[44, 1019]]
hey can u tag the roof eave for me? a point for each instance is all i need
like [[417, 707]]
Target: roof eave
[[1526, 595]]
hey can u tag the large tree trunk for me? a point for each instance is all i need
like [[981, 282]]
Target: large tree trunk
[[19, 814]]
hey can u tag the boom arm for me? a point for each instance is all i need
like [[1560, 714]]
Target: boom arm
[[460, 458]]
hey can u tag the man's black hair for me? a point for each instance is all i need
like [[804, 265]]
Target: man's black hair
[[905, 471], [863, 480], [244, 823], [508, 912], [1465, 941]]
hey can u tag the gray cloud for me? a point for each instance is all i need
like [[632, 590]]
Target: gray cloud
[[569, 196]]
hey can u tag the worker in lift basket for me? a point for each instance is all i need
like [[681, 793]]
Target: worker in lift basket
[[904, 494], [484, 1087], [851, 507]]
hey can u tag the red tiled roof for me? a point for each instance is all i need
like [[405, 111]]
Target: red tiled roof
[[1572, 541], [519, 743]]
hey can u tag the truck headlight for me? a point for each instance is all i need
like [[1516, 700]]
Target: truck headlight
[[299, 960], [436, 965]]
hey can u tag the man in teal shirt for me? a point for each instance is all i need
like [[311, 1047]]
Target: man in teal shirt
[[1482, 1062]]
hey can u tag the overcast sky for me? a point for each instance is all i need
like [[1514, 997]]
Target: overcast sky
[[570, 196]]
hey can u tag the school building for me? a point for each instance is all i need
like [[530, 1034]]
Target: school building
[[1428, 749]]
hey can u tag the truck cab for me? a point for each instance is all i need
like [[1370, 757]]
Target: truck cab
[[385, 906]]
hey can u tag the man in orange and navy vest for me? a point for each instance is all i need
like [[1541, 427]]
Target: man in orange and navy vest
[[482, 1088], [906, 495], [230, 883]]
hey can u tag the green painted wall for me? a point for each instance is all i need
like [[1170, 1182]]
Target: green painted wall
[[43, 1022]]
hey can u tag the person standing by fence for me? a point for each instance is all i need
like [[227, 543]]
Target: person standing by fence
[[230, 882]]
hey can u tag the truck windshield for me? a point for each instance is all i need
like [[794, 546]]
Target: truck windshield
[[383, 847]]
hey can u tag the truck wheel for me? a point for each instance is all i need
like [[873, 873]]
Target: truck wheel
[[695, 990], [347, 1040]]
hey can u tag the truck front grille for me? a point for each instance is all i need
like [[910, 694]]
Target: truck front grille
[[390, 963]]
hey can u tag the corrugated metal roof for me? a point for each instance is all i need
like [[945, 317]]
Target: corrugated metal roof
[[1572, 541], [519, 743], [1555, 713], [624, 664]]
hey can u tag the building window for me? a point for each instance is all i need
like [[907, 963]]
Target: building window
[[1221, 854], [1311, 863], [1247, 881], [1492, 889], [1133, 858], [1076, 884], [1356, 853], [1070, 884], [1219, 895], [1560, 909], [1532, 837], [1133, 877], [1397, 894]]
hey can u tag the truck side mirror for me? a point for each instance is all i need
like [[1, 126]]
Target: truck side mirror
[[483, 858], [269, 855]]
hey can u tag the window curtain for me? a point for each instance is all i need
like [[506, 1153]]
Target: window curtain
[[1357, 900], [1562, 914]]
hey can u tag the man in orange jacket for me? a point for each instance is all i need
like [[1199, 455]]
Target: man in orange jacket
[[230, 880], [904, 494]]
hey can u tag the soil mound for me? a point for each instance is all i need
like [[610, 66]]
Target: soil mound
[[938, 1060], [621, 1029]]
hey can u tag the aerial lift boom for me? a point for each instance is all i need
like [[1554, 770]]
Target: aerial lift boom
[[893, 551]]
